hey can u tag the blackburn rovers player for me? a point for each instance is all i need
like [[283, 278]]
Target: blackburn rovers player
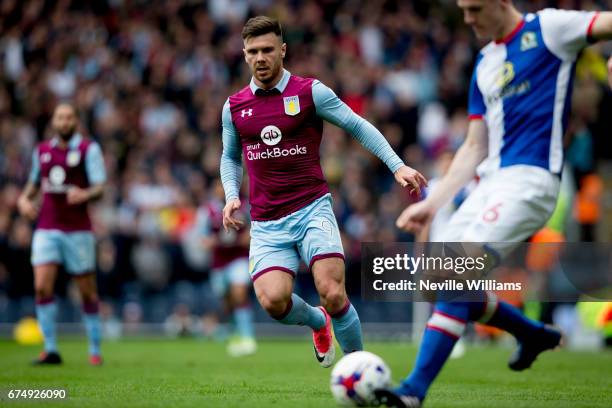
[[229, 275], [69, 170], [276, 122], [519, 106]]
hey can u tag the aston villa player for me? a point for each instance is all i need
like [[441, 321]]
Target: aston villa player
[[69, 170], [276, 123]]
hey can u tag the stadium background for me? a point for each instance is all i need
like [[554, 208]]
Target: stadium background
[[149, 79]]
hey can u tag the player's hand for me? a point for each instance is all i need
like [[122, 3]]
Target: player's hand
[[409, 177], [76, 195], [610, 72], [229, 221], [415, 217], [27, 208]]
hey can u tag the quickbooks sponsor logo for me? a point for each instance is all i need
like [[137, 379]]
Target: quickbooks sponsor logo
[[276, 153], [271, 135]]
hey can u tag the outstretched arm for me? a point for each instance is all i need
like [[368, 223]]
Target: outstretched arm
[[333, 110], [231, 169], [462, 169]]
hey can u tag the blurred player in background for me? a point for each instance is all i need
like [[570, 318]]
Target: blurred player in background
[[519, 106], [277, 123], [229, 276], [69, 170]]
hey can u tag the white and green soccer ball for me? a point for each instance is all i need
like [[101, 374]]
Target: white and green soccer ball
[[356, 376]]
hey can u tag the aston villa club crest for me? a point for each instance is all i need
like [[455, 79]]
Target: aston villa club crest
[[73, 158], [292, 105]]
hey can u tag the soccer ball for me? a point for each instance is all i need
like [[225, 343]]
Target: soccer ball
[[356, 376], [27, 332]]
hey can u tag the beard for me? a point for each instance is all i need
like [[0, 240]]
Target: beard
[[268, 76], [66, 134]]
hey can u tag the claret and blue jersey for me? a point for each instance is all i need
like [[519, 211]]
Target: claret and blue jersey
[[522, 87]]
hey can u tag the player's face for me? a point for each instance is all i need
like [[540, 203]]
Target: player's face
[[484, 16], [265, 54], [64, 121]]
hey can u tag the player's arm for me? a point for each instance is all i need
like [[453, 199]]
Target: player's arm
[[230, 169], [96, 175], [25, 204], [462, 169], [333, 110], [602, 30]]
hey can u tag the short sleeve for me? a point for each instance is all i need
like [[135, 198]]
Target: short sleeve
[[94, 164], [566, 32], [476, 106]]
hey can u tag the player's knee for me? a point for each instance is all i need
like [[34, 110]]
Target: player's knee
[[90, 297], [42, 292], [274, 303], [333, 297]]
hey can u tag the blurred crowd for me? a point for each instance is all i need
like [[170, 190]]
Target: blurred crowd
[[150, 78]]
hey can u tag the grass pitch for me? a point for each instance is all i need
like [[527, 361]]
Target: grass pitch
[[192, 373]]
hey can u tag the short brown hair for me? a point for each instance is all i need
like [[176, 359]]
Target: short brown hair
[[261, 25]]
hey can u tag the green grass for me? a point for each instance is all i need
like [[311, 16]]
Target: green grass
[[190, 373]]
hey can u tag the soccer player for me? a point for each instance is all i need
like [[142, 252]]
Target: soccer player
[[276, 122], [229, 276], [69, 170], [518, 106]]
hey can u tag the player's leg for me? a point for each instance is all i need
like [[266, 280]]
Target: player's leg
[[91, 316], [274, 293], [46, 311], [79, 253], [514, 213], [273, 263], [237, 274], [444, 327], [46, 257], [506, 214], [328, 274], [320, 246]]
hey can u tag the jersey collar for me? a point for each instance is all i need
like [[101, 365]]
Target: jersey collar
[[512, 34], [281, 85]]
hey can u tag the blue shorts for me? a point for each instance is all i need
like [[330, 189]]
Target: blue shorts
[[234, 273], [75, 250], [310, 233]]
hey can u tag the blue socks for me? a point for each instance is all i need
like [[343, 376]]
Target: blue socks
[[445, 327], [46, 314], [443, 330], [243, 319], [93, 327], [347, 328], [510, 319], [300, 313]]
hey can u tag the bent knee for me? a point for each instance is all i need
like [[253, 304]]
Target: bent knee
[[333, 297], [274, 303]]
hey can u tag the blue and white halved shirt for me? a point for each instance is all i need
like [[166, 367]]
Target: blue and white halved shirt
[[522, 87]]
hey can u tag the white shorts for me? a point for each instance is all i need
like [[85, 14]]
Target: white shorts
[[507, 206]]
